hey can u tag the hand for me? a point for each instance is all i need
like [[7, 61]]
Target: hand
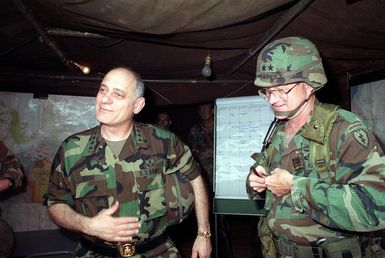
[[257, 179], [202, 248], [279, 182], [114, 229], [4, 184]]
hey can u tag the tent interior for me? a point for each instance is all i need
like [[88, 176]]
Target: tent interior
[[167, 42]]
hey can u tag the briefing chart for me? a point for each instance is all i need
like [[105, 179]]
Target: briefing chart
[[241, 125]]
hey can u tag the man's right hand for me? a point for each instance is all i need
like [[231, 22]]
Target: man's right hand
[[113, 229], [5, 184], [257, 179]]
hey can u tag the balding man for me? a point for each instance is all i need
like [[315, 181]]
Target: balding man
[[122, 183]]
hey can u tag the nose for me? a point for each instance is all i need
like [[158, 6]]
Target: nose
[[273, 99], [106, 98]]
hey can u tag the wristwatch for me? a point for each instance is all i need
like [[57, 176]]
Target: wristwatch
[[11, 184], [205, 234]]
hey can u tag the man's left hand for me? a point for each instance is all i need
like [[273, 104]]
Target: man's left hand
[[202, 248], [279, 182]]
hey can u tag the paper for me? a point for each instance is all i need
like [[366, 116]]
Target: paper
[[241, 125]]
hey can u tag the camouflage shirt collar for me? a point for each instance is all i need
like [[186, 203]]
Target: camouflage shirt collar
[[95, 142], [136, 141], [320, 124]]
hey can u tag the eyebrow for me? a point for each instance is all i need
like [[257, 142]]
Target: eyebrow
[[113, 89], [119, 90]]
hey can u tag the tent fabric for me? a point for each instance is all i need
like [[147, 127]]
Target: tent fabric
[[167, 42], [156, 17]]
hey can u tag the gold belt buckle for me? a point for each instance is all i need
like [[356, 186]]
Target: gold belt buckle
[[126, 249]]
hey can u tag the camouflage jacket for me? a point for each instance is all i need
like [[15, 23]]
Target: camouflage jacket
[[202, 147], [346, 198], [11, 167], [87, 176]]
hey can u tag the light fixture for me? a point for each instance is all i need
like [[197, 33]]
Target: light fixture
[[85, 69], [206, 71]]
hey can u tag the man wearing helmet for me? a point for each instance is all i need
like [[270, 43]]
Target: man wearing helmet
[[322, 169]]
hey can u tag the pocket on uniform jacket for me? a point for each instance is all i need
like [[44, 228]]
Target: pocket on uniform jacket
[[91, 194], [90, 186], [151, 193]]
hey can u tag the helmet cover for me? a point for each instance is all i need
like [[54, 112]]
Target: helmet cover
[[290, 60]]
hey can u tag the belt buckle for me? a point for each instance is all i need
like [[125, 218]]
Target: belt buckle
[[126, 249]]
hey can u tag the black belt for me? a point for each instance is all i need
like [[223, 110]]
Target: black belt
[[123, 249], [295, 250]]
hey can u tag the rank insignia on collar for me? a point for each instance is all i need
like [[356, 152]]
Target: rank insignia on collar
[[298, 163]]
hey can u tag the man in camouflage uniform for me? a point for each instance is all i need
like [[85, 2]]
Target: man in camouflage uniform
[[11, 181], [11, 174], [163, 119], [201, 141], [122, 183], [322, 170]]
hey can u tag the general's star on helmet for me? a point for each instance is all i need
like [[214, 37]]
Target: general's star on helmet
[[290, 60]]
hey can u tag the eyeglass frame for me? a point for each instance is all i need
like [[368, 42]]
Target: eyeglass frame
[[264, 92]]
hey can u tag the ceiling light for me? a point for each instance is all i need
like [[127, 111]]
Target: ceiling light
[[85, 69], [206, 71]]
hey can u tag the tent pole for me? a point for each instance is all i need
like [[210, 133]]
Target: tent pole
[[270, 33], [29, 16]]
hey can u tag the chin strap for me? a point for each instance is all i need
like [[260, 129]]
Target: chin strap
[[289, 114], [269, 134]]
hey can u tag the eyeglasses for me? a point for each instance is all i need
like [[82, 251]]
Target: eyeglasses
[[281, 93]]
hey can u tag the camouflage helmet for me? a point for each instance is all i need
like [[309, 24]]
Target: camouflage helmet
[[290, 60]]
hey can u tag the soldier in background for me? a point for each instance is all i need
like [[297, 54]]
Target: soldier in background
[[11, 181], [122, 183], [201, 141], [322, 169], [11, 173], [163, 119]]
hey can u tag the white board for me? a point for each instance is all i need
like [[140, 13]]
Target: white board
[[241, 124]]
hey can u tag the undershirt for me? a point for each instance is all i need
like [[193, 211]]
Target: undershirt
[[116, 146]]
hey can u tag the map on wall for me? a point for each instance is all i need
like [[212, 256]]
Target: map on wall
[[33, 130]]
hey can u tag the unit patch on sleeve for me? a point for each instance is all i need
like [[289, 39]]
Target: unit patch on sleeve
[[361, 136]]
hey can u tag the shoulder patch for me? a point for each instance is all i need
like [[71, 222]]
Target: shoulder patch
[[361, 136]]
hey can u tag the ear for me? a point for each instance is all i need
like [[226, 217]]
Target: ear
[[309, 90], [139, 105]]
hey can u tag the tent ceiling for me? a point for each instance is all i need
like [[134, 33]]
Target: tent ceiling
[[167, 41]]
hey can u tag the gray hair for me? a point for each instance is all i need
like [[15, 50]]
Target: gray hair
[[139, 84], [139, 90]]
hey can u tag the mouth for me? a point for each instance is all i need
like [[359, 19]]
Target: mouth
[[104, 110], [278, 106]]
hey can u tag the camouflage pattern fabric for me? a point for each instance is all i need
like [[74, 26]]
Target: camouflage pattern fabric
[[87, 176], [201, 143], [289, 60], [345, 199], [11, 167]]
